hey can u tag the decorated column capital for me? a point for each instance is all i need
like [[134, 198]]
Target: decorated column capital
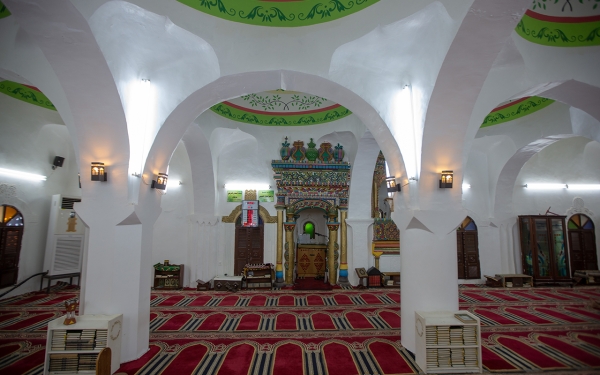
[[289, 227], [333, 226]]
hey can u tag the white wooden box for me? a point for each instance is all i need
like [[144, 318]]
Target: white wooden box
[[444, 344], [72, 349]]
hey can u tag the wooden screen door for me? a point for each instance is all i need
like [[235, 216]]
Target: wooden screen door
[[248, 247], [467, 248], [11, 234], [582, 243]]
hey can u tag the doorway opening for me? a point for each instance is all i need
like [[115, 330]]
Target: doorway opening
[[467, 247], [11, 235], [249, 245], [582, 243]]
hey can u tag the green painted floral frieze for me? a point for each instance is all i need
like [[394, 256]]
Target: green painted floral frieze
[[271, 102], [516, 110], [280, 13], [26, 94], [266, 119], [544, 31], [3, 11]]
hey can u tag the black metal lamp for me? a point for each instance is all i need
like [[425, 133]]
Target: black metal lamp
[[392, 187], [446, 179], [98, 171], [160, 182]]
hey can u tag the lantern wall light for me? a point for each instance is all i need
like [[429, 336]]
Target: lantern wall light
[[446, 179], [98, 171], [161, 182], [392, 186]]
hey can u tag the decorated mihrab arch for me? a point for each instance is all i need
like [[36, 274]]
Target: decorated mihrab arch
[[308, 177]]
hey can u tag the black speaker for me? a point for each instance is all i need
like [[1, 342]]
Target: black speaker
[[58, 162]]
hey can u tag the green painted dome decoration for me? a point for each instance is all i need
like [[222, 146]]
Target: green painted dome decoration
[[515, 109], [279, 13], [29, 94], [281, 108], [562, 23], [3, 10]]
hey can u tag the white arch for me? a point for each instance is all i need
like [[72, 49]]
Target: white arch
[[203, 178], [457, 87], [503, 202], [232, 86]]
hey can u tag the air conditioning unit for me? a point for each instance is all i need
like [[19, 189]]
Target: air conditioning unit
[[66, 235]]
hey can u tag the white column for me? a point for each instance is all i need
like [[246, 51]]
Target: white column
[[428, 276], [358, 246]]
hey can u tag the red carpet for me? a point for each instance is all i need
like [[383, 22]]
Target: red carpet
[[309, 283], [322, 332]]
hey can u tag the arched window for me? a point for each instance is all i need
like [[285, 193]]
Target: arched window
[[582, 243], [11, 234], [309, 228], [467, 247]]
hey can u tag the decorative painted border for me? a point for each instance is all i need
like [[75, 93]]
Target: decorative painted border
[[3, 10], [240, 114], [283, 13], [514, 110], [29, 94], [559, 31]]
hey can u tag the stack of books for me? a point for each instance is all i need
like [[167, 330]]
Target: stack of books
[[58, 339], [101, 337], [471, 359], [431, 336], [470, 335], [456, 335], [432, 358], [458, 357], [63, 362], [443, 335], [87, 361], [444, 357]]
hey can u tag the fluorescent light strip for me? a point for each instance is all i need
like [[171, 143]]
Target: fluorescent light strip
[[242, 186], [545, 186], [466, 186], [22, 175]]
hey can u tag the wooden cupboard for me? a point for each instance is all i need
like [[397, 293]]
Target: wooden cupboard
[[543, 251]]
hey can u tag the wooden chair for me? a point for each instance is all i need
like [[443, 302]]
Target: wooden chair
[[103, 362]]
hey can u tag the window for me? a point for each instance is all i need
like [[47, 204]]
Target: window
[[309, 228]]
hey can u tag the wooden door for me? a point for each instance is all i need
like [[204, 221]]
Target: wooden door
[[582, 243], [310, 260], [11, 235], [467, 249], [248, 247]]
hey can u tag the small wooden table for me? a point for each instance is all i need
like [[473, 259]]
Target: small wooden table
[[362, 274], [516, 280], [393, 276], [63, 276], [227, 283]]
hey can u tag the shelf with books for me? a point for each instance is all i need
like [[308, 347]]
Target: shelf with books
[[74, 348], [448, 342]]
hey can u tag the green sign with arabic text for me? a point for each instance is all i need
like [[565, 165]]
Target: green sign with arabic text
[[235, 195]]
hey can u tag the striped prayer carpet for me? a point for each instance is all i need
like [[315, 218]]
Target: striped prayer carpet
[[322, 332]]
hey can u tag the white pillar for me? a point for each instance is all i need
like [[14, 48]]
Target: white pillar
[[358, 246], [428, 277]]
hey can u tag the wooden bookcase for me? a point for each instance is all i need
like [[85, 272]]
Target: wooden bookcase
[[169, 280], [543, 248], [445, 344], [258, 277], [390, 276], [73, 349]]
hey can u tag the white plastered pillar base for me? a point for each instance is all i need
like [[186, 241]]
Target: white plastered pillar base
[[428, 277]]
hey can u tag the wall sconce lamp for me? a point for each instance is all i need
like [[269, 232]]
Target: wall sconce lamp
[[160, 182], [392, 187], [58, 162], [446, 179], [98, 171]]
